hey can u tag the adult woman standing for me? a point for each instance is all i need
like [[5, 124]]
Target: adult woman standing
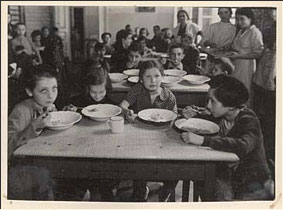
[[220, 34], [248, 45], [185, 26]]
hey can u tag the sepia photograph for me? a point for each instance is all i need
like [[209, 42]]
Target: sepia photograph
[[133, 103]]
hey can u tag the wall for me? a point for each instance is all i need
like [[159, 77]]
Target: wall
[[119, 17], [91, 18], [37, 16]]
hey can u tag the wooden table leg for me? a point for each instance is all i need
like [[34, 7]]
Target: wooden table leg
[[209, 182], [185, 191]]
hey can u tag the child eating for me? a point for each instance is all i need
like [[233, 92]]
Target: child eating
[[26, 122], [240, 133], [176, 55], [144, 95]]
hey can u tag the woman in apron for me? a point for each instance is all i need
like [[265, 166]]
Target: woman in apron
[[248, 45]]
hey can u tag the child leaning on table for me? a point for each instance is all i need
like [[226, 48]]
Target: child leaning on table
[[148, 93], [96, 89], [26, 121], [240, 133]]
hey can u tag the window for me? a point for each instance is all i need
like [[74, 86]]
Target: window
[[17, 14]]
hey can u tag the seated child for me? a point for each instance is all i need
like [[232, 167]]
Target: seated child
[[106, 40], [26, 122], [145, 51], [157, 40], [176, 55], [191, 60], [147, 94], [134, 57], [144, 33], [240, 133], [96, 89], [166, 40], [99, 52]]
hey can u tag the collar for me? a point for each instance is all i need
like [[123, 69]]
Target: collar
[[179, 66]]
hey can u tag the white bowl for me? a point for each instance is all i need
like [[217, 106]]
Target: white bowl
[[134, 79], [157, 115], [101, 112], [196, 79], [169, 81], [63, 119], [117, 77], [132, 72], [203, 56], [197, 126], [107, 56], [175, 72]]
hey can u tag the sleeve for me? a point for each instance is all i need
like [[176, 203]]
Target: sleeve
[[20, 129], [172, 104], [257, 41], [248, 134], [132, 95], [207, 33]]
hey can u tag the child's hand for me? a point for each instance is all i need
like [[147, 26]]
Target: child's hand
[[70, 107], [192, 138], [191, 111], [41, 121], [130, 115]]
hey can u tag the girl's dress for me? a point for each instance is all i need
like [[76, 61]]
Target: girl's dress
[[247, 42]]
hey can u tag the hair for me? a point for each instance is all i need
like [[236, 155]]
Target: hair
[[45, 27], [35, 33], [96, 75], [134, 47], [37, 72], [246, 12], [157, 26], [174, 46], [224, 66], [20, 24], [229, 8], [148, 65], [122, 34], [99, 46], [229, 91], [105, 34], [128, 25], [184, 11], [143, 28], [55, 29], [187, 35]]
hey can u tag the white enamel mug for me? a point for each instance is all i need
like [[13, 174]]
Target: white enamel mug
[[116, 124]]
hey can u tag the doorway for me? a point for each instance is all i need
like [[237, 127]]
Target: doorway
[[77, 34]]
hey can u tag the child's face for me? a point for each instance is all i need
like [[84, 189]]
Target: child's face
[[45, 91], [97, 92], [100, 53], [168, 34], [156, 30], [106, 39], [21, 30], [128, 41], [134, 57], [243, 21], [176, 55], [37, 39], [186, 41], [151, 79], [143, 33], [45, 32], [214, 106], [143, 44]]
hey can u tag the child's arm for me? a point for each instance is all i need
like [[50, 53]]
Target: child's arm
[[130, 115], [248, 134], [21, 127]]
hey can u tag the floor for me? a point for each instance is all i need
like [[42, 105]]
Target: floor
[[125, 195]]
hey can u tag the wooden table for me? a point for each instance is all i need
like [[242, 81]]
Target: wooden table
[[185, 93], [142, 151]]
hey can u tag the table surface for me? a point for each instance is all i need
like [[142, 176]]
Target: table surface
[[182, 86], [140, 140]]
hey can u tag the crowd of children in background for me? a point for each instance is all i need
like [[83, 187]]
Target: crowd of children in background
[[42, 83]]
